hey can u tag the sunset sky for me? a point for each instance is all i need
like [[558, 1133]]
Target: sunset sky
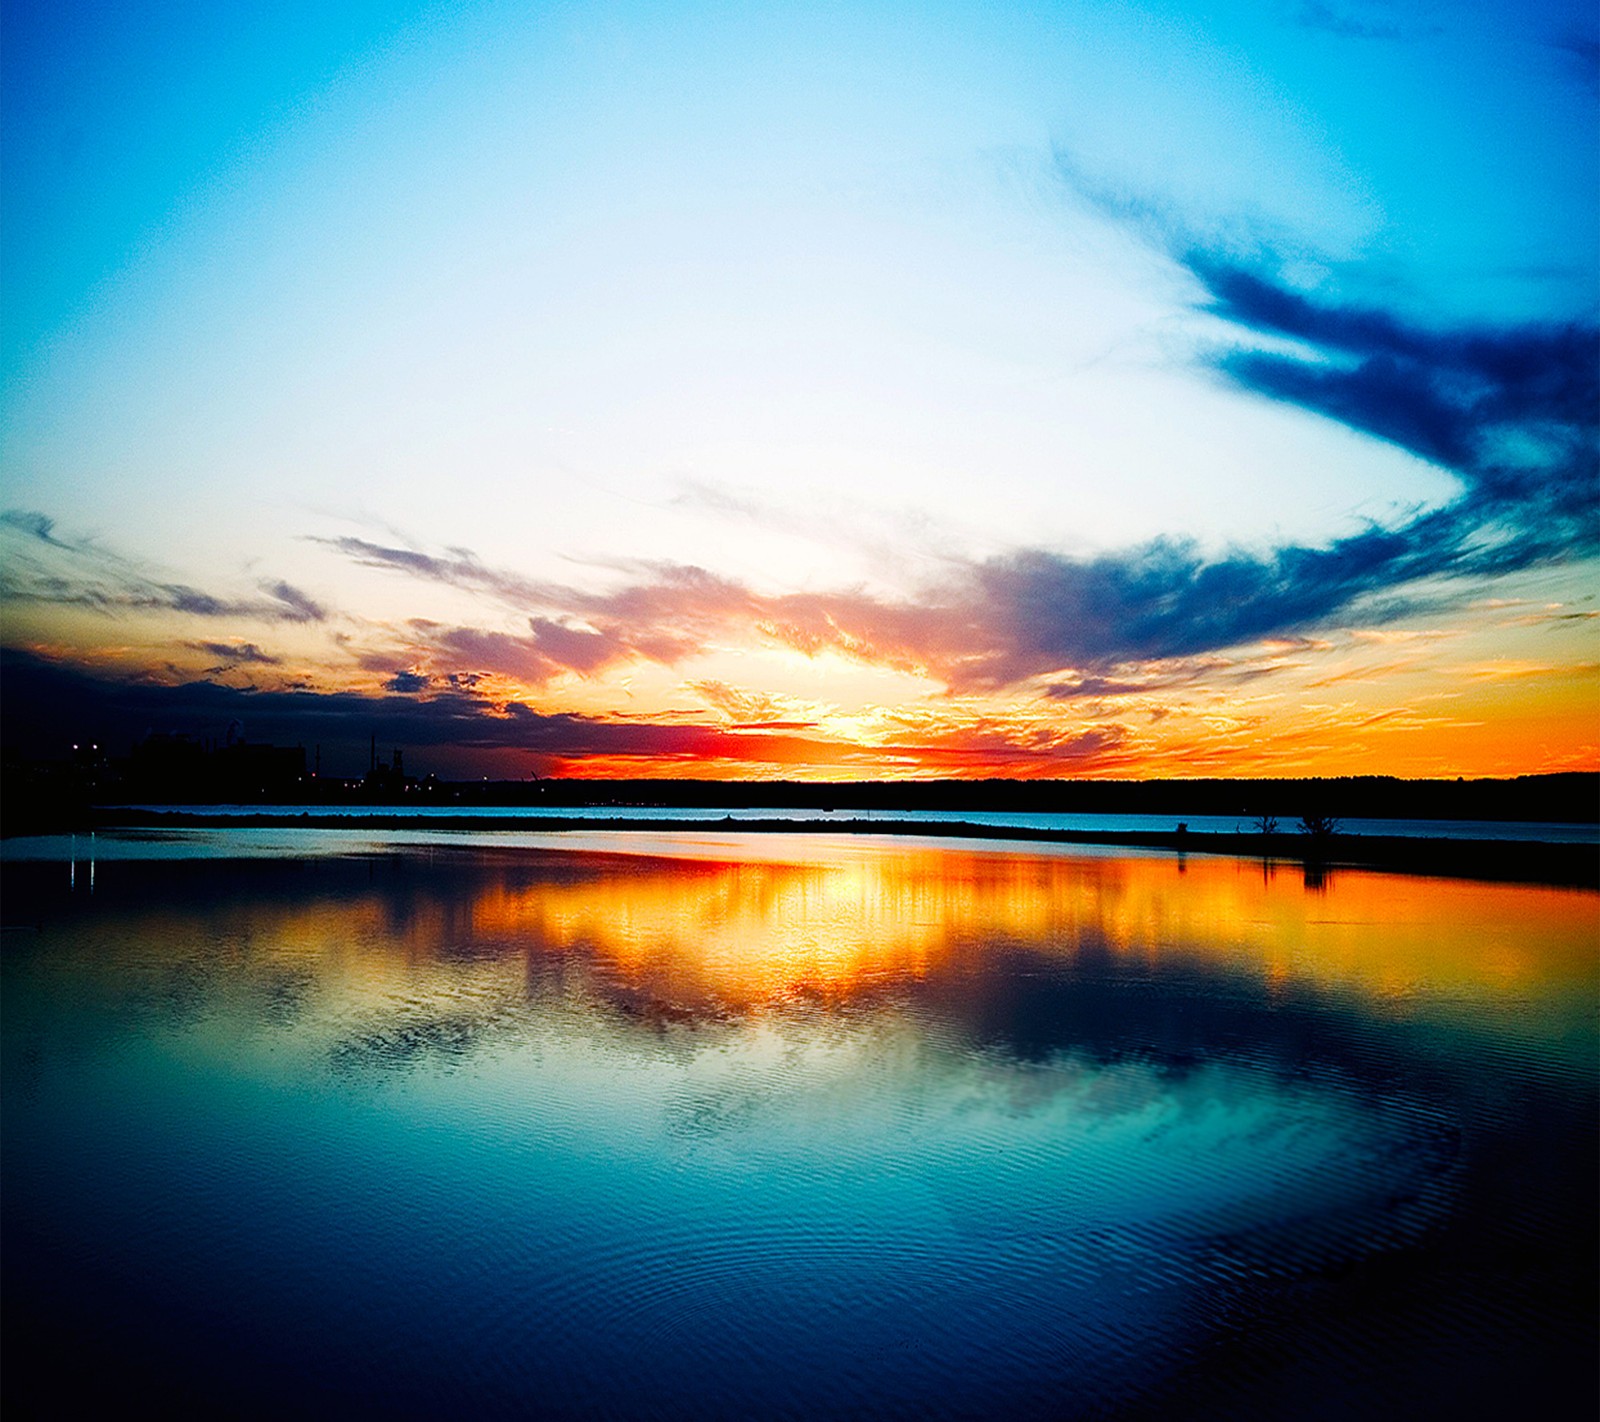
[[837, 391]]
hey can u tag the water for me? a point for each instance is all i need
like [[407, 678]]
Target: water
[[770, 1126], [1544, 831]]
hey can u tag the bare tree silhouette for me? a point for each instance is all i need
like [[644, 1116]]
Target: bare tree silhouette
[[1318, 828]]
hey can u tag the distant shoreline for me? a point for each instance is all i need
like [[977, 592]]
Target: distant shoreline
[[1518, 861]]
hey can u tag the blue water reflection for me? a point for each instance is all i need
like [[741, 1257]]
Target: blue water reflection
[[1545, 831], [817, 1130]]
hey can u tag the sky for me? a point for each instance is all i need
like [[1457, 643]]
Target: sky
[[805, 390]]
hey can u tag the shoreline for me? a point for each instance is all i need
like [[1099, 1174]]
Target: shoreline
[[1513, 861]]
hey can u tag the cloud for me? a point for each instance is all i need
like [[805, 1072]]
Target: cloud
[[1093, 687], [1033, 613], [474, 650], [669, 613], [994, 750], [457, 567], [1511, 410], [575, 648], [235, 654], [82, 574], [31, 522], [1012, 617], [48, 701], [747, 709], [550, 649], [296, 605], [127, 595], [459, 732]]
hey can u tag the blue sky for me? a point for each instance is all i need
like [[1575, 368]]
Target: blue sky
[[853, 310]]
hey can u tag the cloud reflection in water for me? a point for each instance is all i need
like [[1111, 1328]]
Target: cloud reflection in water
[[832, 1126]]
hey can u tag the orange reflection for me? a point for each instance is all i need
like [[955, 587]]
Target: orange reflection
[[745, 923], [761, 929]]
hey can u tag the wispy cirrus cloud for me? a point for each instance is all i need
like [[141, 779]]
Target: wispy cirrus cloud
[[235, 654], [456, 567], [81, 573], [290, 604], [124, 596], [34, 524]]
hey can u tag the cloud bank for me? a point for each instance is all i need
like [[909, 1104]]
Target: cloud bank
[[461, 733]]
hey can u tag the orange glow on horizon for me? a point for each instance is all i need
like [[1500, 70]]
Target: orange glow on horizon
[[1497, 701]]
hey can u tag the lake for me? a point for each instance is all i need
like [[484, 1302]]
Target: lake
[[529, 817], [710, 1125]]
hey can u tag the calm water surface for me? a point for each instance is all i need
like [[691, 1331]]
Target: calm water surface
[[703, 1126], [1544, 831]]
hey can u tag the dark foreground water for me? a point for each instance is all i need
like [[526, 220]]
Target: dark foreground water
[[792, 1128]]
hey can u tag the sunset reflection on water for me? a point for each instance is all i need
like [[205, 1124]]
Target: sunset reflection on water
[[747, 933], [741, 1125], [739, 928]]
